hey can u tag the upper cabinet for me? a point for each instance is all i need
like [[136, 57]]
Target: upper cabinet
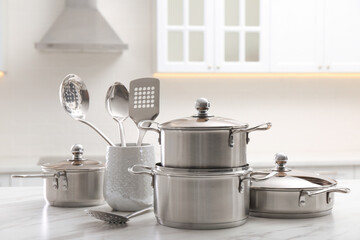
[[342, 35], [212, 36], [258, 36], [296, 36], [315, 36]]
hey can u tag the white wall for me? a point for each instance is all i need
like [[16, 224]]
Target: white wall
[[311, 117]]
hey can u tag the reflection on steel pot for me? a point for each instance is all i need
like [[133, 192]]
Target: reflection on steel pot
[[199, 198], [292, 194], [72, 183], [203, 141]]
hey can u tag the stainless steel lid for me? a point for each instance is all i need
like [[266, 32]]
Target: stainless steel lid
[[202, 120], [287, 179], [77, 163]]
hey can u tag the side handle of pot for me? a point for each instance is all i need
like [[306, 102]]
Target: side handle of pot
[[55, 176], [258, 179], [139, 169], [255, 179], [43, 175], [304, 193], [145, 125], [260, 127]]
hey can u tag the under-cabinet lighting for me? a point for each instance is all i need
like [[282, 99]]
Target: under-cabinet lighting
[[256, 75]]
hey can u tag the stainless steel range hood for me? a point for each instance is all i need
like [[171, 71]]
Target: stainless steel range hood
[[81, 28]]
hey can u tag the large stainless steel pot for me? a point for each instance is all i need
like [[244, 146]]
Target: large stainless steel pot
[[292, 194], [199, 198], [72, 183], [203, 141]]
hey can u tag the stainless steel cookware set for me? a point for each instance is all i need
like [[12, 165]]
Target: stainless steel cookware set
[[203, 180]]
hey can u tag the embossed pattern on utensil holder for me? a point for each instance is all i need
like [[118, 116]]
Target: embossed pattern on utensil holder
[[122, 190]]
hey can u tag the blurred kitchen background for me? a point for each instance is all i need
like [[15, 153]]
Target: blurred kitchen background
[[301, 72]]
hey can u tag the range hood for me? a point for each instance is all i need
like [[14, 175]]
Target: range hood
[[81, 28]]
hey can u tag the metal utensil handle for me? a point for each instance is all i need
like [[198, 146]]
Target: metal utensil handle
[[137, 213], [44, 175], [141, 136], [98, 131], [147, 170], [326, 190], [122, 132]]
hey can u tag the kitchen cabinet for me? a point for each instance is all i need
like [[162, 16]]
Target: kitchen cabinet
[[258, 36], [314, 36], [212, 36], [342, 35]]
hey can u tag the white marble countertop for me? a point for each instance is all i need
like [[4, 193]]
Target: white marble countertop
[[24, 215]]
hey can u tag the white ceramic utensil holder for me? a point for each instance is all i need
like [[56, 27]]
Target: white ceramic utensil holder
[[122, 190]]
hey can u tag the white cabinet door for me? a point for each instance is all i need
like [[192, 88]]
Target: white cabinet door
[[296, 40], [342, 35], [185, 35], [241, 36]]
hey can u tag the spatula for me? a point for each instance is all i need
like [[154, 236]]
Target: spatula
[[144, 102]]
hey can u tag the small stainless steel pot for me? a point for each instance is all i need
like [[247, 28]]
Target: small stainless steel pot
[[203, 141], [292, 194], [73, 183], [199, 198]]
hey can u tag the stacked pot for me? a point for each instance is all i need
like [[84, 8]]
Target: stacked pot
[[202, 181]]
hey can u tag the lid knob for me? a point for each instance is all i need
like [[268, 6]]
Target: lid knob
[[77, 151], [202, 105], [281, 160]]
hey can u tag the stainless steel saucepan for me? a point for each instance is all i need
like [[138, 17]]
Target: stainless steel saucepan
[[292, 194], [203, 141], [72, 183]]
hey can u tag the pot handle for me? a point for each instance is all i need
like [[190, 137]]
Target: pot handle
[[251, 178], [146, 169], [143, 169], [267, 176], [145, 125], [44, 175], [260, 127], [304, 193]]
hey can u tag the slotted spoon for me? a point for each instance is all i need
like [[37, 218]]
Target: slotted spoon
[[114, 218], [144, 102], [74, 97]]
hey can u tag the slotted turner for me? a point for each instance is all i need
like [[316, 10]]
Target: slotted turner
[[144, 102]]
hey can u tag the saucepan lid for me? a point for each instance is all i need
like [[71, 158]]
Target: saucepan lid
[[77, 163], [288, 179], [202, 120]]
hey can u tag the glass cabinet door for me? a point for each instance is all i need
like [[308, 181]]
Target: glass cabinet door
[[185, 36], [212, 35], [241, 36]]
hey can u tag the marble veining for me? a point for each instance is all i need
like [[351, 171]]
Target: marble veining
[[25, 215]]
